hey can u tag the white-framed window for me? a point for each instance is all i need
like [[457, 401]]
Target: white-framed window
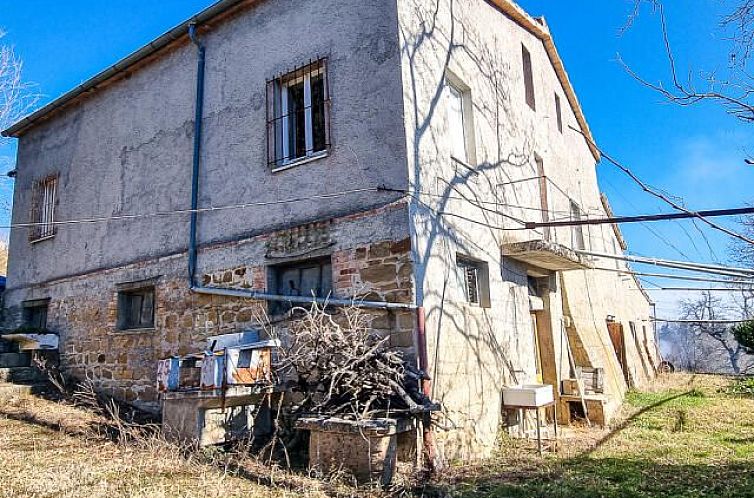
[[44, 200], [298, 109], [460, 120], [577, 231], [475, 279]]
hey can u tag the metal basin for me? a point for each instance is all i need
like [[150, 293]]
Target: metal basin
[[528, 395]]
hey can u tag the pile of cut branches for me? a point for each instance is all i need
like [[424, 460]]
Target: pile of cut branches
[[340, 366]]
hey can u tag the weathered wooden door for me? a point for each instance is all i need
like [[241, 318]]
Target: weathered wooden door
[[616, 337]]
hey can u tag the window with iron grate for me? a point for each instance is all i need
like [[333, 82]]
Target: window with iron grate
[[475, 280], [298, 115], [44, 200]]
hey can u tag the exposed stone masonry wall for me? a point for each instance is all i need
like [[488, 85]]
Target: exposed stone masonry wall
[[124, 362]]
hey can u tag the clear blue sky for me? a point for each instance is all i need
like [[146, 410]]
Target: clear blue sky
[[695, 153]]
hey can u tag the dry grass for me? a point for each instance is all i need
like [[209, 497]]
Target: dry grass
[[682, 437], [53, 449]]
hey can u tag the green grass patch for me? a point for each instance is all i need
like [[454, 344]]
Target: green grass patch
[[683, 442]]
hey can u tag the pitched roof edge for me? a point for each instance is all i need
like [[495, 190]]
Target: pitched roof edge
[[153, 47], [539, 29]]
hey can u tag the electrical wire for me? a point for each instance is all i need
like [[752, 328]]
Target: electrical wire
[[646, 188]]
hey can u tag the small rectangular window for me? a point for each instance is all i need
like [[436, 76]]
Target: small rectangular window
[[457, 126], [311, 278], [35, 314], [577, 232], [136, 308], [558, 113], [44, 199], [528, 78], [298, 115], [475, 279]]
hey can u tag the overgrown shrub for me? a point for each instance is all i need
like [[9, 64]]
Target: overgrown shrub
[[744, 334]]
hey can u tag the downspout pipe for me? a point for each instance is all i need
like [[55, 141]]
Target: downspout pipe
[[199, 114]]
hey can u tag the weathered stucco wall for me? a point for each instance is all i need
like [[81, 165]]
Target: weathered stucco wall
[[127, 148], [472, 209]]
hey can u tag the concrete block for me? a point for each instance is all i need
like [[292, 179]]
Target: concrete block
[[14, 360], [25, 375]]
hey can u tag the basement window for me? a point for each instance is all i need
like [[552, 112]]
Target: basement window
[[474, 276], [528, 78], [44, 199], [312, 278], [35, 313], [136, 308], [298, 115]]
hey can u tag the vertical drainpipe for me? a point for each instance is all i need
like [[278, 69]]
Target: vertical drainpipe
[[427, 434], [192, 250]]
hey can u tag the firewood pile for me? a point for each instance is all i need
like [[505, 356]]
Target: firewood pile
[[337, 365]]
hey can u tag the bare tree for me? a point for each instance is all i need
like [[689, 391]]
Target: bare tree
[[731, 85], [708, 344], [17, 97]]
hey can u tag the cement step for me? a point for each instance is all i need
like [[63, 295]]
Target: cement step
[[8, 391], [15, 360], [24, 375]]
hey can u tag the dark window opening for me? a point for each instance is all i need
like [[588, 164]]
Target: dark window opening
[[44, 200], [311, 278], [298, 123], [475, 280], [136, 309], [528, 78], [559, 113], [35, 314]]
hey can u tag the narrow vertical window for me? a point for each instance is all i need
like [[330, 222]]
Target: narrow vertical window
[[558, 113], [457, 125], [44, 199], [528, 78], [544, 204], [577, 234], [298, 109]]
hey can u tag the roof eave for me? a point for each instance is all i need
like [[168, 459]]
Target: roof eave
[[153, 47], [539, 29]]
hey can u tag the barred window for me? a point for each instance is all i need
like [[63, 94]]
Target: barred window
[[298, 115], [475, 280], [44, 199]]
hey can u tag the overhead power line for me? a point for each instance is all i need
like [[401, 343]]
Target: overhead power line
[[641, 218], [695, 289], [680, 277], [721, 322], [679, 265], [653, 192]]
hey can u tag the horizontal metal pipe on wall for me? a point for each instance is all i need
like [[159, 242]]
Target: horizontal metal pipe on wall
[[215, 291]]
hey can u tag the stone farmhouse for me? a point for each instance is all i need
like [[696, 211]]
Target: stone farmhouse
[[269, 151]]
